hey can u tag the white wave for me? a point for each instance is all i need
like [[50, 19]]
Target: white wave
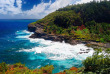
[[25, 31], [60, 51], [39, 66], [57, 50], [23, 34]]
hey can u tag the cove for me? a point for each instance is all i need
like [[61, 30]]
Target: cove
[[16, 46]]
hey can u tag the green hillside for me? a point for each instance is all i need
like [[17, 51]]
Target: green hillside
[[90, 21]]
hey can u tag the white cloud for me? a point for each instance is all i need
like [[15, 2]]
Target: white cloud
[[86, 1], [58, 4], [43, 9], [83, 1], [19, 3], [7, 7], [38, 11]]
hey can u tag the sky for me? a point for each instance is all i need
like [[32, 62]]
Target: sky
[[32, 9]]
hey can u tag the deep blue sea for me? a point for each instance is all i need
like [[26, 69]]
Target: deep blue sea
[[16, 46]]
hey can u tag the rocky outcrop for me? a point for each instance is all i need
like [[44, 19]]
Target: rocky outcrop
[[35, 27], [39, 33], [31, 28]]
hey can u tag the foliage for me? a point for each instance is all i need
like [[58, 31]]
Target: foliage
[[33, 23], [3, 67], [19, 65], [107, 50], [47, 69], [67, 19], [94, 16], [98, 11], [19, 68], [98, 63], [100, 31]]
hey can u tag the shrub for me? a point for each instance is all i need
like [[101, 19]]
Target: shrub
[[19, 68], [19, 65], [47, 69], [102, 40], [98, 63], [3, 67]]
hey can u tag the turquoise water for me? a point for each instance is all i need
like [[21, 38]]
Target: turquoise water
[[16, 46]]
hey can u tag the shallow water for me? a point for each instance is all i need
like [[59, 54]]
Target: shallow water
[[16, 46]]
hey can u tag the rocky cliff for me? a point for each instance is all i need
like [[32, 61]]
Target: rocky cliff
[[39, 33]]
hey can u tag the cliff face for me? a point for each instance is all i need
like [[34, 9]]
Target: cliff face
[[37, 29], [31, 28], [39, 33]]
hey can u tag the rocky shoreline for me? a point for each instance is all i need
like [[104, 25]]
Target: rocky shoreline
[[39, 33]]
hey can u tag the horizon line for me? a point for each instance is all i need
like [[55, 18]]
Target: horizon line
[[19, 19]]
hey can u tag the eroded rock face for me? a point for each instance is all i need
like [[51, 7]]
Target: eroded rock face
[[35, 27], [39, 33], [31, 28]]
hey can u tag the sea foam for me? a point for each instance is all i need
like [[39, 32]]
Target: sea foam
[[57, 50], [23, 34]]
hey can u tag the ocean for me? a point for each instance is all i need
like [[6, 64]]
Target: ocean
[[16, 46]]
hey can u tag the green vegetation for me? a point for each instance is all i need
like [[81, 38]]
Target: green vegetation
[[19, 68], [99, 64], [70, 21], [3, 67]]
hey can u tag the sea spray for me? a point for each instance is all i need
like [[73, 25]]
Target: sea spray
[[57, 50], [23, 34]]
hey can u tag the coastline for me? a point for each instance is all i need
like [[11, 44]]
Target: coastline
[[39, 33]]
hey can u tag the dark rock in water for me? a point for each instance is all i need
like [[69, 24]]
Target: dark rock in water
[[85, 52], [88, 49], [82, 50]]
